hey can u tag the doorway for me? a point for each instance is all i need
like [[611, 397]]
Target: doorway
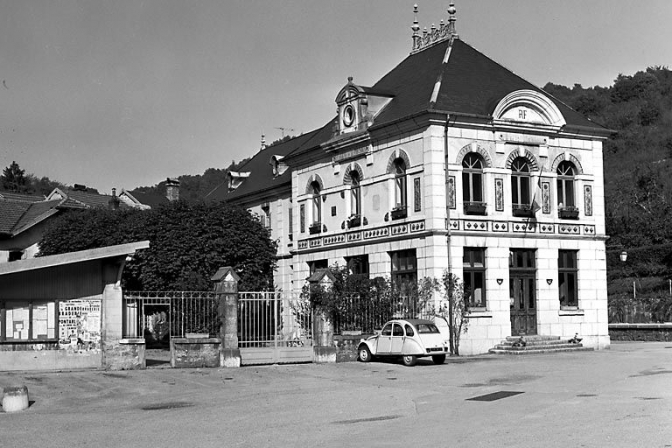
[[522, 292]]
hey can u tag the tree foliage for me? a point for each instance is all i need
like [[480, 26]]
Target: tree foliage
[[188, 243], [13, 178]]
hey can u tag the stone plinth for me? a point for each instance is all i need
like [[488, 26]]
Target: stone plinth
[[194, 352]]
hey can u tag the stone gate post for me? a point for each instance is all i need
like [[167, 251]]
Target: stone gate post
[[226, 286]]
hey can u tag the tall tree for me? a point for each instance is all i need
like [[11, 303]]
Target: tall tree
[[188, 243], [13, 178]]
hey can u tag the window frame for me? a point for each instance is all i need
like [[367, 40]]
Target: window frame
[[521, 191], [568, 275], [403, 276], [472, 173], [400, 185], [471, 270]]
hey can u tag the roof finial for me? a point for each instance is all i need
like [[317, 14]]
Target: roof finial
[[416, 28], [263, 141], [451, 19]]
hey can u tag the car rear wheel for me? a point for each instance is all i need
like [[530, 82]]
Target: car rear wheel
[[364, 354], [409, 360], [439, 359]]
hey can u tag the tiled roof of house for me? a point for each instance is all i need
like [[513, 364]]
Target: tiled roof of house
[[8, 195], [16, 216]]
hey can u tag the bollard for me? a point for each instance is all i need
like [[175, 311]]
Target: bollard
[[15, 399]]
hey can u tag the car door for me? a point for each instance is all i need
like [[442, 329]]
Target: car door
[[385, 340], [397, 339]]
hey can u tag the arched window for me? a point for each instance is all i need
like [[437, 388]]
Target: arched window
[[472, 184], [566, 195], [316, 226], [520, 187], [355, 194], [399, 189]]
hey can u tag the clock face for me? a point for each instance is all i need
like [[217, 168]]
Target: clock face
[[348, 115]]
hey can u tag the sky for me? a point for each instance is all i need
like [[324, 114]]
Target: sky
[[127, 93]]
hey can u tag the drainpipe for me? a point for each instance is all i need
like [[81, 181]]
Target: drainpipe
[[448, 240]]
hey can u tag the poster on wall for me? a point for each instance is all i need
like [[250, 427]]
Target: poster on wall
[[79, 324]]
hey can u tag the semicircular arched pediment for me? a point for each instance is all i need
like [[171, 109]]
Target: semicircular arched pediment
[[311, 179], [525, 154], [529, 106], [347, 178], [474, 147], [398, 154]]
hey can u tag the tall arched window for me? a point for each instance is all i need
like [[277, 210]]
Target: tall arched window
[[400, 203], [355, 194], [566, 191], [520, 187], [316, 226], [472, 184]]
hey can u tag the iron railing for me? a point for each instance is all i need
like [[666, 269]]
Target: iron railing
[[159, 315], [366, 315]]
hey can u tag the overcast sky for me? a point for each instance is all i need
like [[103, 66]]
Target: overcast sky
[[126, 93]]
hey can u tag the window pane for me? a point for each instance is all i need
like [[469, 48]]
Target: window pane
[[466, 190], [569, 194], [477, 187]]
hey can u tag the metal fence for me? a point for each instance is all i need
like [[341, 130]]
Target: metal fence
[[370, 314], [273, 319], [159, 315]]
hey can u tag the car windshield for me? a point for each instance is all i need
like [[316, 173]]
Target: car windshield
[[427, 328]]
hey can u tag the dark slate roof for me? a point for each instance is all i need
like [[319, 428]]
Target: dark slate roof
[[151, 199], [261, 177], [471, 83], [16, 216]]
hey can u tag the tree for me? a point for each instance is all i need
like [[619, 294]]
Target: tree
[[13, 178], [188, 243]]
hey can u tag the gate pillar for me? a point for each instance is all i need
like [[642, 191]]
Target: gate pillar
[[324, 351], [226, 287]]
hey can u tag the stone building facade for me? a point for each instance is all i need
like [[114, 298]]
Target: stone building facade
[[449, 162]]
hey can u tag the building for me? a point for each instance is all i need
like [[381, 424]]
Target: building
[[449, 162]]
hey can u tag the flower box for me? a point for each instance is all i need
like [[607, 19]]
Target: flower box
[[315, 228], [568, 213], [474, 208], [399, 213]]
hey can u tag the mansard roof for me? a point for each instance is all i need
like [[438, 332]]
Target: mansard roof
[[448, 77], [261, 177], [469, 83]]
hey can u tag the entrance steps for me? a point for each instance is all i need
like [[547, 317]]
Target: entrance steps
[[527, 345]]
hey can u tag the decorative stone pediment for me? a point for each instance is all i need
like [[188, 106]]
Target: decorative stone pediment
[[528, 107], [358, 106]]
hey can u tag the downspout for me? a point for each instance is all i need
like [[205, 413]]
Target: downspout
[[448, 239]]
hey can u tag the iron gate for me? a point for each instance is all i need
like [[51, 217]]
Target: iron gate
[[273, 328]]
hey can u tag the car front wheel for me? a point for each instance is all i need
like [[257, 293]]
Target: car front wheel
[[364, 354], [439, 359], [409, 360]]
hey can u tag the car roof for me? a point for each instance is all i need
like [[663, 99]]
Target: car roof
[[414, 322]]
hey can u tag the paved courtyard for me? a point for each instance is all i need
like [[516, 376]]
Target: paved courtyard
[[614, 398]]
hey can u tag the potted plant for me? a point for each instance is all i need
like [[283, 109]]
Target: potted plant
[[354, 221], [522, 211]]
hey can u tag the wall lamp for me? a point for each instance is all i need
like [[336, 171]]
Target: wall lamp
[[549, 281], [624, 256], [500, 281]]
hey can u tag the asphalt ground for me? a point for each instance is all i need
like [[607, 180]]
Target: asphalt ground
[[620, 397]]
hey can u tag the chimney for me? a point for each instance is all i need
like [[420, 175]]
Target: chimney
[[172, 189], [113, 203]]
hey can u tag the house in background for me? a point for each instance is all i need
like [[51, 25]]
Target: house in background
[[450, 162], [24, 218], [146, 201]]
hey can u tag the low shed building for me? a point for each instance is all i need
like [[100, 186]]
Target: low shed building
[[64, 312]]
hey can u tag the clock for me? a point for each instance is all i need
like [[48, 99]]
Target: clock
[[348, 115]]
